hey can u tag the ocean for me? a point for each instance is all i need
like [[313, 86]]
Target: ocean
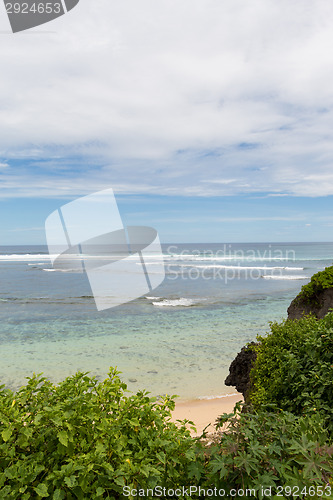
[[180, 339]]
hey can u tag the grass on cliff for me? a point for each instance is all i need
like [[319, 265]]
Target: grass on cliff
[[294, 368], [319, 282]]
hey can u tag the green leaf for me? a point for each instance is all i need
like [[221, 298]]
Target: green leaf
[[6, 434], [70, 481], [120, 481], [100, 447], [41, 490], [56, 420], [38, 418], [63, 438], [100, 491], [134, 422], [196, 469], [58, 495], [161, 457]]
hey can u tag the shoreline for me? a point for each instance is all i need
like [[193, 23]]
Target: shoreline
[[204, 412]]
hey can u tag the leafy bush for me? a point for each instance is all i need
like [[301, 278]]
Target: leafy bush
[[272, 448], [83, 439], [319, 282], [294, 368]]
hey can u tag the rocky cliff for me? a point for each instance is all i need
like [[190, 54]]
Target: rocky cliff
[[315, 298], [319, 305], [239, 371]]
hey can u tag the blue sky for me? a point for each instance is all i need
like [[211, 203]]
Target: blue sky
[[212, 121], [192, 219]]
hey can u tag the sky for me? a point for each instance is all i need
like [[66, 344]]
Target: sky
[[211, 120]]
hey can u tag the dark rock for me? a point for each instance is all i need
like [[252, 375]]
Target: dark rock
[[319, 305], [239, 371]]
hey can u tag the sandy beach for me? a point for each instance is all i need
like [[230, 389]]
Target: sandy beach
[[204, 412]]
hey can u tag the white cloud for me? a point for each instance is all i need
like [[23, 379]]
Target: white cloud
[[165, 95]]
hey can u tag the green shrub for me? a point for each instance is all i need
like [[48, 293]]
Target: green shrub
[[319, 282], [294, 368], [272, 448], [83, 439]]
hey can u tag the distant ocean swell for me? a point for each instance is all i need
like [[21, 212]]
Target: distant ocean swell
[[49, 300], [221, 266], [285, 277]]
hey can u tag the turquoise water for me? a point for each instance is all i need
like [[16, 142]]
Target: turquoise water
[[179, 340]]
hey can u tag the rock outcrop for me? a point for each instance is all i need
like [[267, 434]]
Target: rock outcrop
[[315, 298], [239, 371], [319, 305]]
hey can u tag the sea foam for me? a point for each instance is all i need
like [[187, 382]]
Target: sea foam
[[286, 277], [174, 302]]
